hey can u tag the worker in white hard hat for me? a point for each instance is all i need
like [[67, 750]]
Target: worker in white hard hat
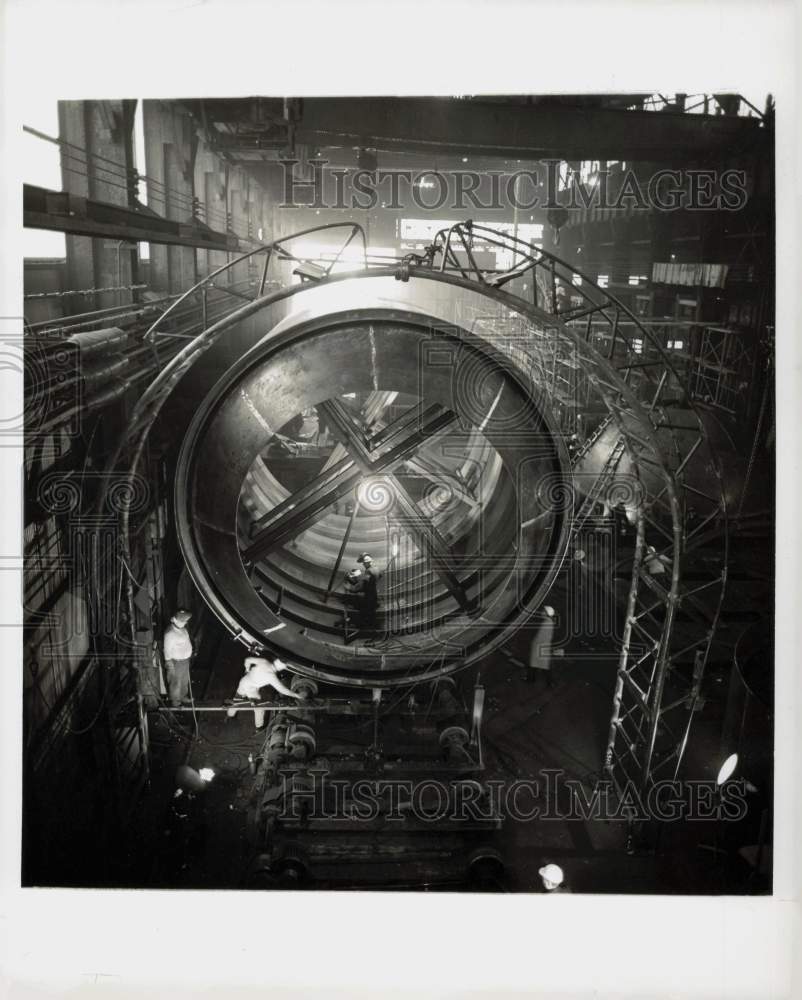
[[552, 877], [261, 673], [177, 654], [540, 649]]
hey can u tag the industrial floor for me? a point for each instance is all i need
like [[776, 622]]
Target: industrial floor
[[528, 728]]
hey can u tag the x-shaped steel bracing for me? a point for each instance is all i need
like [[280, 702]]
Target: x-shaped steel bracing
[[379, 455]]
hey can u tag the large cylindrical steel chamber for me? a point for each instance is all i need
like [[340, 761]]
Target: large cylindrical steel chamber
[[462, 437], [434, 406]]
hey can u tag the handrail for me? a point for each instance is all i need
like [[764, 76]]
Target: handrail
[[532, 259], [270, 249]]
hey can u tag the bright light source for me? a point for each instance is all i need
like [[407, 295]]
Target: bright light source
[[395, 549], [206, 773], [464, 159], [727, 769], [552, 876]]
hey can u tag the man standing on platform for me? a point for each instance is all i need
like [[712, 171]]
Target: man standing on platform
[[177, 654]]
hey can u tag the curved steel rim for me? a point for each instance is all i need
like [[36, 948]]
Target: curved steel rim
[[150, 405], [270, 345]]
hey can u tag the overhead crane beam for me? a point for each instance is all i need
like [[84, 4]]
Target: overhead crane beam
[[69, 213], [465, 127]]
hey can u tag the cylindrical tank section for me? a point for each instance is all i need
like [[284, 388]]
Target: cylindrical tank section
[[423, 422], [440, 441], [680, 430]]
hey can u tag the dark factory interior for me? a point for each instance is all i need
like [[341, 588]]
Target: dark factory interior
[[399, 494]]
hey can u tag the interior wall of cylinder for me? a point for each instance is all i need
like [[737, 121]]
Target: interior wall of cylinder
[[463, 374]]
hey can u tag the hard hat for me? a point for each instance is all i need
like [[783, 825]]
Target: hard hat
[[181, 617], [551, 874], [365, 558], [353, 574]]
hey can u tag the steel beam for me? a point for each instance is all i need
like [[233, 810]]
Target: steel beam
[[464, 127], [350, 432], [69, 213], [334, 483], [427, 535]]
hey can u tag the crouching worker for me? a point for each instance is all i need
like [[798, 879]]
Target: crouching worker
[[261, 673]]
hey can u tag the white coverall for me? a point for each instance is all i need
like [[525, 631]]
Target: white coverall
[[261, 673]]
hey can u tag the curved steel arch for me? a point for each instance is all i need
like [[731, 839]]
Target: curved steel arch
[[648, 734], [648, 731]]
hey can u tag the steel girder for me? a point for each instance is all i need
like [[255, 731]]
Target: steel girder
[[453, 125]]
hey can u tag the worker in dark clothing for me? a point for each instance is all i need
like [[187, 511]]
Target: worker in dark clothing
[[352, 598], [187, 827], [370, 592], [541, 649]]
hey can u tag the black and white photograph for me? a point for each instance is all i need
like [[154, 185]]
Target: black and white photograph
[[398, 514]]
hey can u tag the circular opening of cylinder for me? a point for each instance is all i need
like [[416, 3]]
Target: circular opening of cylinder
[[379, 506], [450, 489]]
